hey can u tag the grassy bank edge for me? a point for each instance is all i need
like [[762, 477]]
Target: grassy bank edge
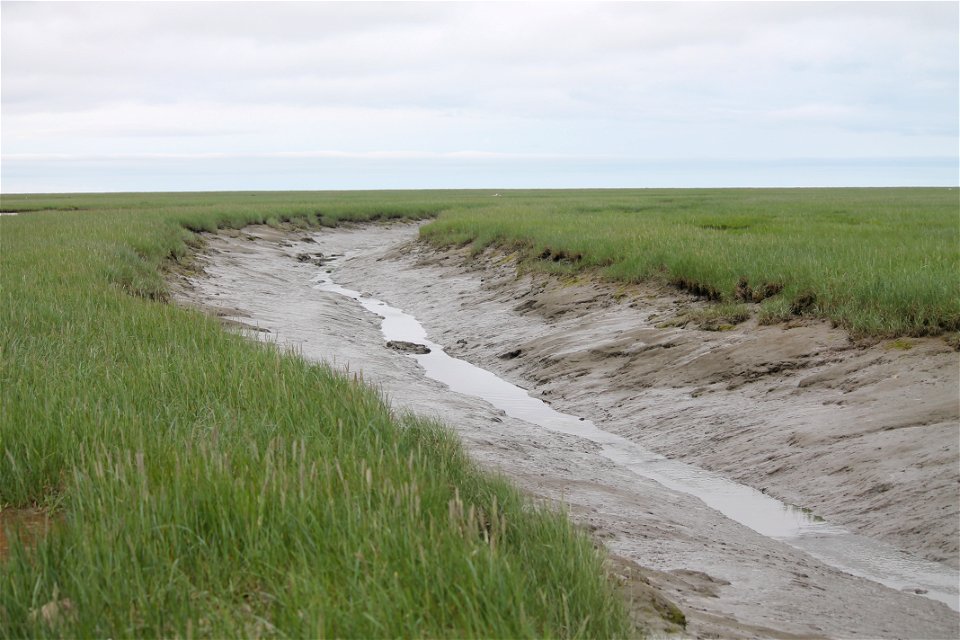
[[879, 263], [709, 314]]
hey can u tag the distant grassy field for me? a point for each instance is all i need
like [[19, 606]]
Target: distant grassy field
[[200, 484], [883, 262], [878, 262]]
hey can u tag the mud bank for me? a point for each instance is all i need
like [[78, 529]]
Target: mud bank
[[866, 436], [748, 403]]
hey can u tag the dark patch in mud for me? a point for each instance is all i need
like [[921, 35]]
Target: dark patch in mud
[[316, 258], [510, 355], [407, 347]]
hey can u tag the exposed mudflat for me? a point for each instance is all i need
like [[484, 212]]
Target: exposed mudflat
[[866, 437]]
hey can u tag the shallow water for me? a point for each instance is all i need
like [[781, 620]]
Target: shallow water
[[797, 527]]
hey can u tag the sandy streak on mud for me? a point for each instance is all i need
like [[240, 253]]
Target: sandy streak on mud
[[728, 579]]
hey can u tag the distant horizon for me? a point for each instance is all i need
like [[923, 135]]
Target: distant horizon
[[492, 189], [335, 174]]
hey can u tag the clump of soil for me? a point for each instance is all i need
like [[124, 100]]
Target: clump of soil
[[803, 303], [407, 347], [698, 289], [316, 258], [746, 293], [560, 256]]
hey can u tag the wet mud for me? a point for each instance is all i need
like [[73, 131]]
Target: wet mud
[[800, 413]]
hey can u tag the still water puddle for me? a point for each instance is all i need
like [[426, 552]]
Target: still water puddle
[[835, 546]]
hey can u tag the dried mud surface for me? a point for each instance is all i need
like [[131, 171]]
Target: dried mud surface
[[865, 436]]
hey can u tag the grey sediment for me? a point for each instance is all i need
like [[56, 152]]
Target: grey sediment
[[768, 516]]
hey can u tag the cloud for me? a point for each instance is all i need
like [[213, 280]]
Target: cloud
[[326, 154], [461, 55], [576, 79]]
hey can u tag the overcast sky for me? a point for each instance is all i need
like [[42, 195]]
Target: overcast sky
[[213, 96]]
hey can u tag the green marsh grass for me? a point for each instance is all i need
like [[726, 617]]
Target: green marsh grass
[[203, 484], [875, 261]]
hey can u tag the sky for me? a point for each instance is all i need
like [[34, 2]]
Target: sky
[[363, 95]]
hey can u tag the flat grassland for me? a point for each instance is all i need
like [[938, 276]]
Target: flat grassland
[[197, 483]]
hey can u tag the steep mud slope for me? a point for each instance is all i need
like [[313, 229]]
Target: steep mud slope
[[866, 436]]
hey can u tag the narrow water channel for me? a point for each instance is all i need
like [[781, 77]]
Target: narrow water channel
[[835, 546]]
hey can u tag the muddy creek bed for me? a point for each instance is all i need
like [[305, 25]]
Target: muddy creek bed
[[865, 438]]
